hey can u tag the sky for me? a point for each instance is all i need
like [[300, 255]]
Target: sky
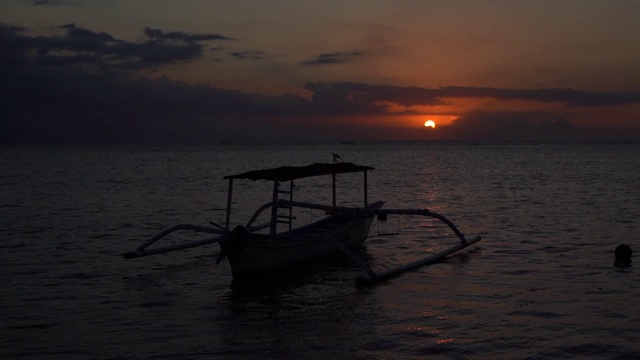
[[201, 71]]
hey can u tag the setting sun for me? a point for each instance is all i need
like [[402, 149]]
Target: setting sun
[[430, 123]]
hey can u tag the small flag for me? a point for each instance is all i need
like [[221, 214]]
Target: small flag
[[336, 157]]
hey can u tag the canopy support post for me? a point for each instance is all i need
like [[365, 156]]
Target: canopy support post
[[365, 189], [333, 180], [230, 191], [274, 211]]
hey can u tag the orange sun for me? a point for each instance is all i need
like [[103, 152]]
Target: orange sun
[[430, 123]]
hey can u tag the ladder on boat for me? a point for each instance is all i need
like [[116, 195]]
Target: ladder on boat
[[276, 217]]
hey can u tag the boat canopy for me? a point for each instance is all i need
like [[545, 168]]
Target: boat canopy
[[286, 173]]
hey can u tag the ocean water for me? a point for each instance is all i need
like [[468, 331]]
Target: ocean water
[[542, 283]]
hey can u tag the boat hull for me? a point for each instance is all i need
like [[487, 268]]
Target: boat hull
[[260, 254]]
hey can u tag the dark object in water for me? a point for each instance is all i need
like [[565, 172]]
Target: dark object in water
[[623, 253]]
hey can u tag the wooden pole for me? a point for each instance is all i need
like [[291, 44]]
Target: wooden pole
[[333, 179], [230, 191], [365, 189], [168, 248], [274, 211], [389, 273]]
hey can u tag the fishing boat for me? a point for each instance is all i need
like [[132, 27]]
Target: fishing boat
[[255, 250]]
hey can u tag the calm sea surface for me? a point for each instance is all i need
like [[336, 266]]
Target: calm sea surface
[[542, 284]]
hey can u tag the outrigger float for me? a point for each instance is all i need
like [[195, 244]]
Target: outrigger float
[[252, 251]]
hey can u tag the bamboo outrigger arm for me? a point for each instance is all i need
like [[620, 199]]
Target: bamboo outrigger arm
[[367, 212], [141, 250], [372, 277], [369, 279]]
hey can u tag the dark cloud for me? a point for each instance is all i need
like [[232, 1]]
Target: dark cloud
[[510, 125], [409, 96], [61, 104], [55, 60], [54, 93], [10, 29], [151, 53], [370, 96], [49, 2], [570, 96], [332, 58], [13, 47], [249, 55], [102, 50], [178, 35], [79, 40]]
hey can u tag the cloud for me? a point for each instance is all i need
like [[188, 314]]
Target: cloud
[[13, 46], [99, 49], [178, 35], [249, 55], [511, 125], [370, 96], [152, 53], [9, 30], [332, 58], [341, 92], [49, 2], [55, 60], [80, 40], [61, 104], [571, 97]]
